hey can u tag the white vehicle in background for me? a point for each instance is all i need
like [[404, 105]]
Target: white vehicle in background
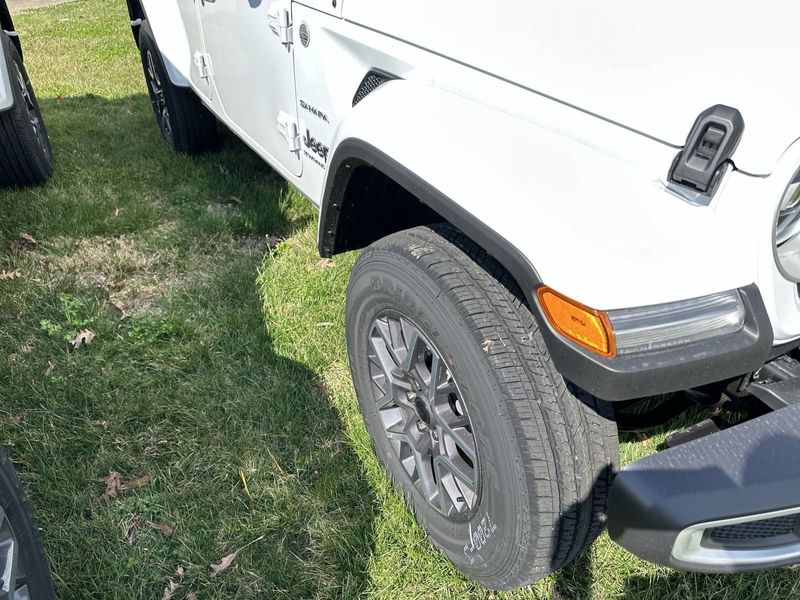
[[25, 154], [565, 207]]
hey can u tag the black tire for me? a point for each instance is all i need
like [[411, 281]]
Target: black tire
[[186, 125], [32, 567], [546, 452], [25, 154]]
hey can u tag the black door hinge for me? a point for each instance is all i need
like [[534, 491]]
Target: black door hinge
[[711, 143]]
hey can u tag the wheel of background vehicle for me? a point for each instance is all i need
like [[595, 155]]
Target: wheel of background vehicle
[[185, 123], [506, 466], [25, 154], [23, 564]]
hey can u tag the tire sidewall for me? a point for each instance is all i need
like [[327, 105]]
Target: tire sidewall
[[18, 513], [484, 544], [41, 154]]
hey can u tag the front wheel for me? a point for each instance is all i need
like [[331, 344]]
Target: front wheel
[[505, 465]]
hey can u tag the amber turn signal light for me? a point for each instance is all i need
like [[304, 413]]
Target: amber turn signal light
[[583, 325]]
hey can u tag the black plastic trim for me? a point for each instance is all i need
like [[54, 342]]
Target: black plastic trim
[[353, 153], [6, 22], [137, 15], [713, 139], [748, 469], [683, 367], [620, 378]]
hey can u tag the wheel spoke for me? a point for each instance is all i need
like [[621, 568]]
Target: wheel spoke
[[387, 343], [434, 378], [453, 429], [384, 357], [459, 494], [414, 341]]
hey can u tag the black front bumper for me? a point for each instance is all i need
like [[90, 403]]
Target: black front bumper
[[724, 503]]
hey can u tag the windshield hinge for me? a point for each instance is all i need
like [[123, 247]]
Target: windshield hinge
[[711, 143], [280, 21]]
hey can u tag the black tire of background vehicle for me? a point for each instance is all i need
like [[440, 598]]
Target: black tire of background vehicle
[[31, 558], [547, 452], [25, 154], [186, 125]]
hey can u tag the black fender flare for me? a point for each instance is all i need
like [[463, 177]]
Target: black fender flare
[[353, 153]]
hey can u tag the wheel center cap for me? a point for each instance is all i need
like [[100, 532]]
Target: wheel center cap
[[422, 411]]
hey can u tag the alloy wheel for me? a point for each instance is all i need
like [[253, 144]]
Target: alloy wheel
[[424, 415], [157, 97], [13, 585]]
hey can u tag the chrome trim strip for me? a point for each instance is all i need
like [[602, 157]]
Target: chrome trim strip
[[688, 546]]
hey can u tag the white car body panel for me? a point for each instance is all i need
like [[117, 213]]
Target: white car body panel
[[332, 7], [652, 66], [6, 91], [166, 20], [253, 74], [584, 199], [580, 242]]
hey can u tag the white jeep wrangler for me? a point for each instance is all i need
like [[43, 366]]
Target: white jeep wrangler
[[565, 207]]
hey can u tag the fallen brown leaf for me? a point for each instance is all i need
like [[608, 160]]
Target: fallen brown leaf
[[6, 275], [28, 239], [165, 529], [114, 486], [273, 241], [223, 564], [226, 561], [50, 367], [169, 591], [15, 247], [172, 584], [84, 338], [325, 263], [136, 483], [120, 306], [113, 482]]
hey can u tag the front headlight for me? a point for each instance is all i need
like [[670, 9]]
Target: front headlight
[[663, 326], [645, 328], [787, 231]]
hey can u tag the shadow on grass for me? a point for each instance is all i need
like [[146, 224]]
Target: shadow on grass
[[240, 443]]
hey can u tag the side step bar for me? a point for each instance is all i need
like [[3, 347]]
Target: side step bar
[[723, 503]]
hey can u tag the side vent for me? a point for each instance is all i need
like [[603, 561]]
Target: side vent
[[371, 82]]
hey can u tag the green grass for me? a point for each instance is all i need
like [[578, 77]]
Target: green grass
[[230, 357]]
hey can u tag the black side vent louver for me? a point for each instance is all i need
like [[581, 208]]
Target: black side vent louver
[[371, 82]]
